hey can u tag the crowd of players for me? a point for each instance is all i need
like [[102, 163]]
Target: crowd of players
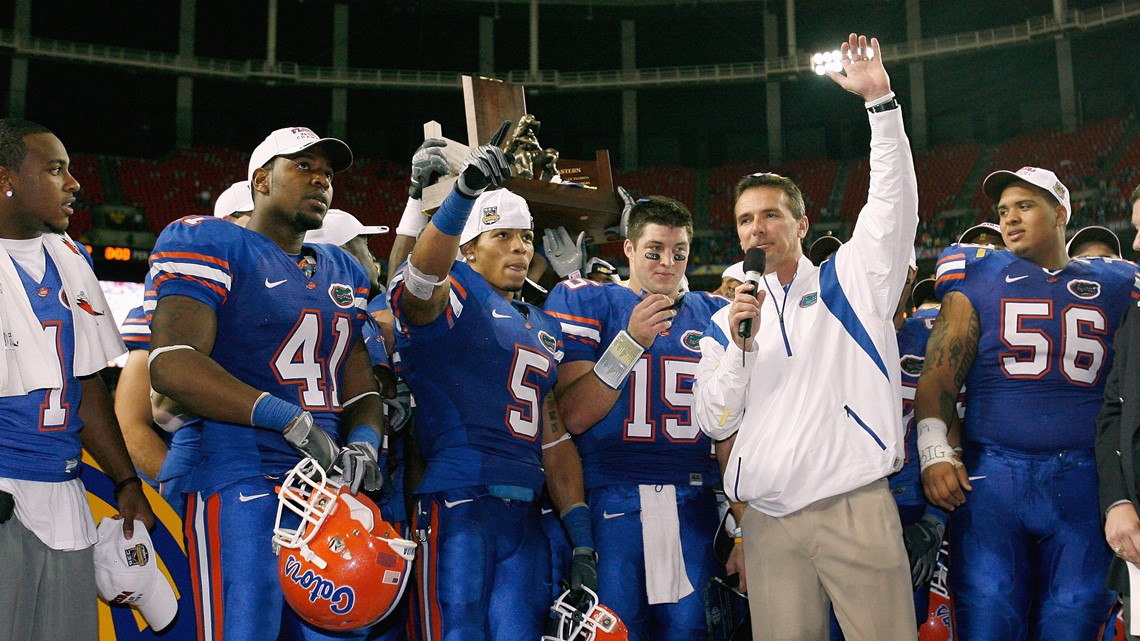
[[304, 413]]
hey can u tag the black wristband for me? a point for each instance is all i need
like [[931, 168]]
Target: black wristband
[[893, 103], [121, 485]]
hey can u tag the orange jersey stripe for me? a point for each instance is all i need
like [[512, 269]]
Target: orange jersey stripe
[[190, 256], [577, 319]]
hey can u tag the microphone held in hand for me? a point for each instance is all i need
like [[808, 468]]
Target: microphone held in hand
[[753, 272]]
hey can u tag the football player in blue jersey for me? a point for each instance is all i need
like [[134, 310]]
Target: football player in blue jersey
[[259, 334], [58, 335], [481, 366], [164, 457], [625, 392], [1028, 331]]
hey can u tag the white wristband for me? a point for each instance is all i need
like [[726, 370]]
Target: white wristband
[[413, 221], [618, 360], [933, 447]]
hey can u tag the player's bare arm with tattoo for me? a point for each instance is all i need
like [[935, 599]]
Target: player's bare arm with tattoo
[[950, 352]]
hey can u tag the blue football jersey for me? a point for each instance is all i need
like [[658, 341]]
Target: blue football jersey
[[39, 432], [279, 329], [906, 484], [136, 329], [1045, 347], [649, 436], [373, 340], [479, 373]]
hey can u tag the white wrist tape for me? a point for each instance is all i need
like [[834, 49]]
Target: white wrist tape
[[413, 221], [162, 350], [420, 284], [618, 360], [933, 447]]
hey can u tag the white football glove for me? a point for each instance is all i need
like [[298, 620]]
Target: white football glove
[[564, 256]]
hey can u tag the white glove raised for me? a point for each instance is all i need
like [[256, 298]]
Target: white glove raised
[[562, 254]]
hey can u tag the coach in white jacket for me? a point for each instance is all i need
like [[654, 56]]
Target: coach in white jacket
[[809, 407]]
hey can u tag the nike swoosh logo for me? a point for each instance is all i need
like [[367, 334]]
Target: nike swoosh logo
[[244, 499], [1014, 279], [272, 284], [451, 504], [976, 478], [607, 515], [495, 314]]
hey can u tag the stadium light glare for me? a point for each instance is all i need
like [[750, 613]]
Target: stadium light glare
[[824, 61]]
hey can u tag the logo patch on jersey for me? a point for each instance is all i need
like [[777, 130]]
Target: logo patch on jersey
[[809, 299], [1085, 289], [548, 341], [911, 365], [341, 295], [491, 215], [692, 340], [194, 221]]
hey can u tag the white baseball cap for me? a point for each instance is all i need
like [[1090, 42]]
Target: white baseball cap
[[126, 573], [734, 271], [237, 198], [996, 182], [340, 227], [292, 140], [498, 209]]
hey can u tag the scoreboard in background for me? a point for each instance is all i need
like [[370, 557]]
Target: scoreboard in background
[[119, 262]]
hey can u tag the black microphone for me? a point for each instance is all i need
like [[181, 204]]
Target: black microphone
[[753, 273]]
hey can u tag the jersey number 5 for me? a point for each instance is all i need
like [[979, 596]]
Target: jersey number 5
[[1032, 351]]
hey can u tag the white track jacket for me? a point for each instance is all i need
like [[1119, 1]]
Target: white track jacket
[[815, 405]]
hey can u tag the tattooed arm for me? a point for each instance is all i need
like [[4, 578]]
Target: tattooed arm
[[560, 459], [950, 353]]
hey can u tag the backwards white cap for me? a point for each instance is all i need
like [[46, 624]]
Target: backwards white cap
[[498, 209], [236, 198], [734, 271]]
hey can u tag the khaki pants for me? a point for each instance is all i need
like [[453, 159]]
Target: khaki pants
[[846, 551]]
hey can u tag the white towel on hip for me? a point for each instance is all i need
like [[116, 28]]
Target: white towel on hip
[[665, 578]]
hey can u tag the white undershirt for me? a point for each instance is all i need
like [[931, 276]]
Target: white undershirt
[[29, 254]]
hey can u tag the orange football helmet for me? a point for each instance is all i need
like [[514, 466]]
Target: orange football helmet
[[591, 621], [342, 567]]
